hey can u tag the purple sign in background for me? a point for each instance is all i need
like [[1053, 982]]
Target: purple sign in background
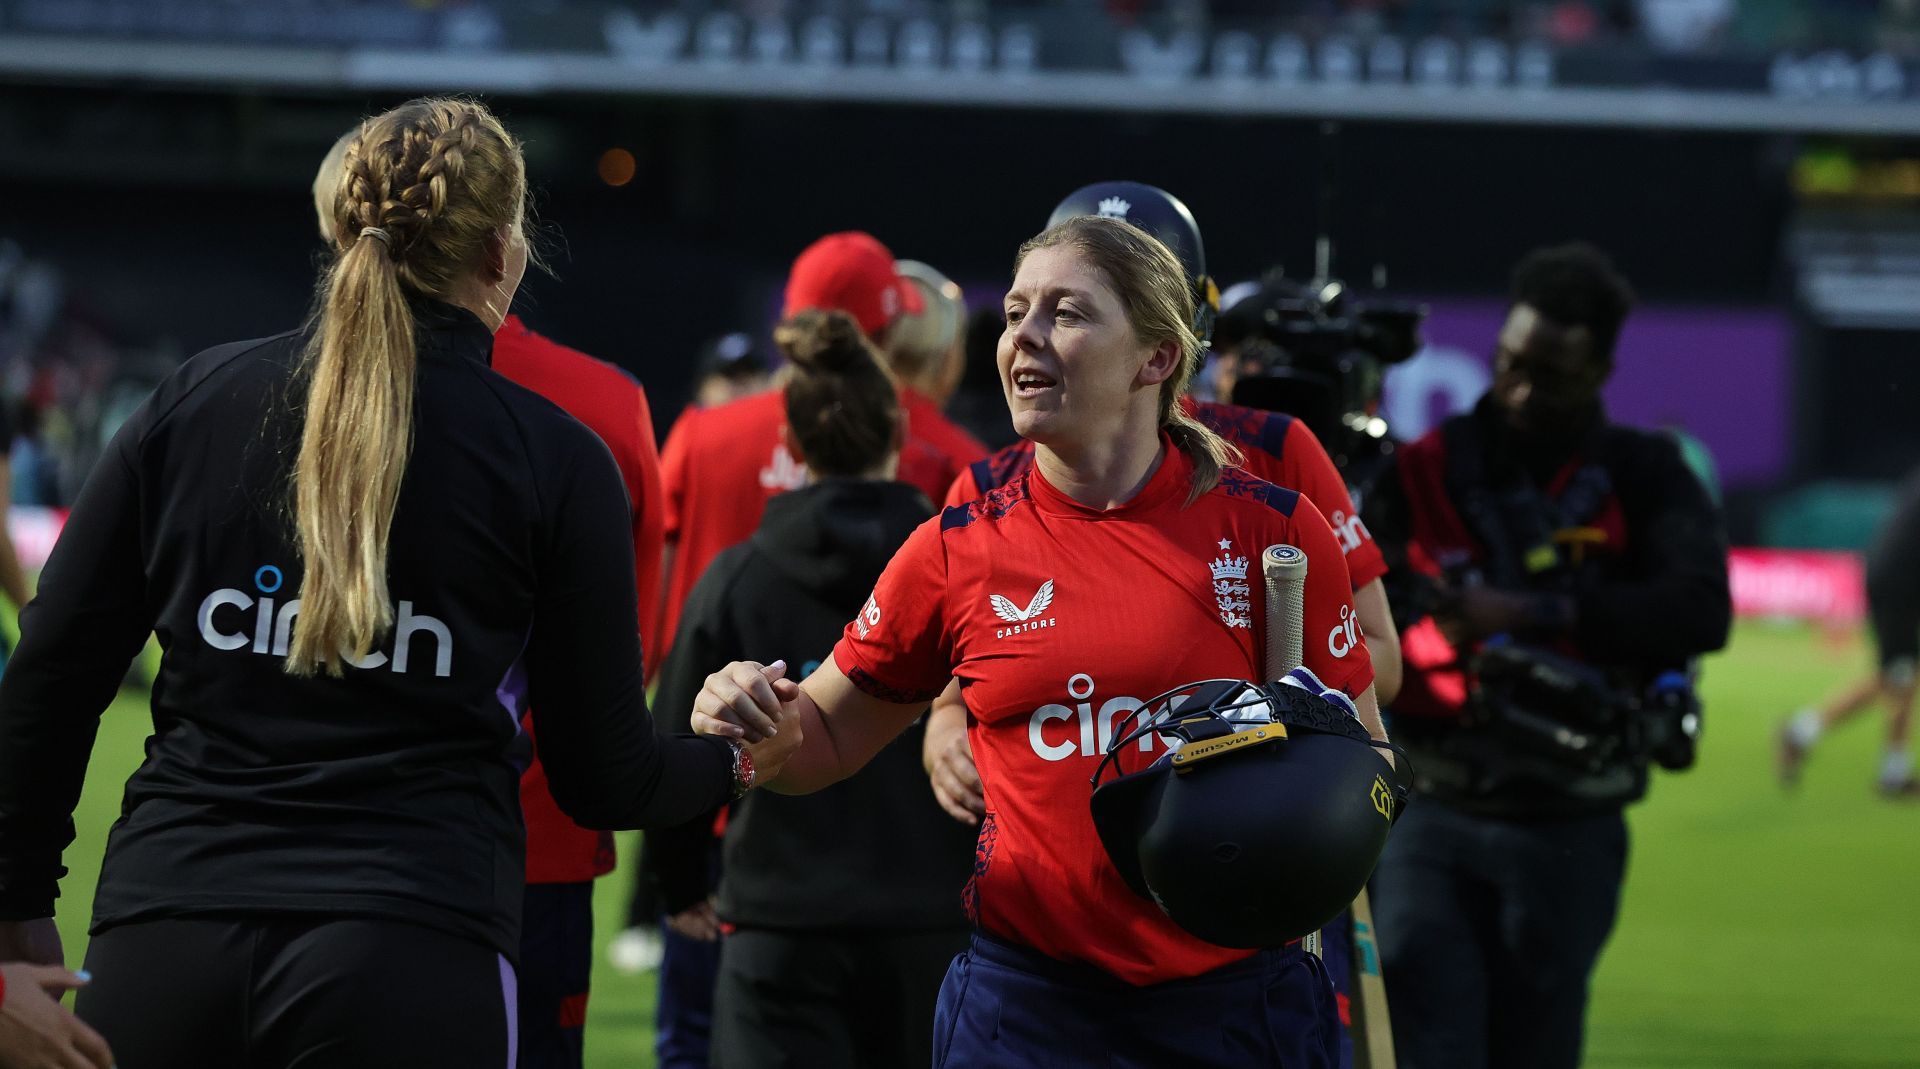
[[1722, 374]]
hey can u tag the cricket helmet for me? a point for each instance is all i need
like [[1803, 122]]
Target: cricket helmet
[[1163, 215], [1266, 818]]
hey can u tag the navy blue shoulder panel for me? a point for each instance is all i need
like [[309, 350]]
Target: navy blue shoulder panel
[[992, 505], [1251, 427], [1273, 434], [982, 470], [999, 469], [1235, 482]]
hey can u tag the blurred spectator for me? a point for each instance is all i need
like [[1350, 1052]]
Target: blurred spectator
[[926, 346], [979, 403], [13, 581], [1900, 27], [730, 367], [722, 464], [1893, 600], [1685, 25], [33, 475]]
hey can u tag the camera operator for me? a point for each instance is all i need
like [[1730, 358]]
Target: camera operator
[[1555, 574], [1307, 350]]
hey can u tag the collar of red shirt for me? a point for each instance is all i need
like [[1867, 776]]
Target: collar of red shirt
[[1169, 481]]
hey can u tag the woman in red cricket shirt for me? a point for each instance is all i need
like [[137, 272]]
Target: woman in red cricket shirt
[[1120, 564]]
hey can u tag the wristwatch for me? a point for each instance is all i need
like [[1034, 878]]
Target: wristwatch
[[742, 768]]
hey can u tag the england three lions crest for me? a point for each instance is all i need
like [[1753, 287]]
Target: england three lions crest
[[1230, 589]]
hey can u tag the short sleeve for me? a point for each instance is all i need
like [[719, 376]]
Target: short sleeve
[[1316, 477], [1332, 646], [897, 648]]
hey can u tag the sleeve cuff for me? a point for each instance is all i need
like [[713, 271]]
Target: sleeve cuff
[[25, 907]]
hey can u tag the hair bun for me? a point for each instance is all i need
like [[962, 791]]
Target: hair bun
[[822, 342]]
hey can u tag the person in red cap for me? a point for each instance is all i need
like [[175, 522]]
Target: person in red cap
[[722, 464]]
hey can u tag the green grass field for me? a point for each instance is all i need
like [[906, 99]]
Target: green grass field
[[1759, 929]]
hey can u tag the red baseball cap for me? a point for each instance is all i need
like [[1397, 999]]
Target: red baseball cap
[[853, 273]]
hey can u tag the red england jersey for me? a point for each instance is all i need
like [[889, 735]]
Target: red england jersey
[[721, 464], [1059, 619], [614, 406], [1277, 447]]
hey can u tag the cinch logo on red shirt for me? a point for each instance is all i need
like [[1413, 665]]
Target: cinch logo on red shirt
[[273, 629], [1348, 530], [1345, 635], [1057, 732], [1027, 619], [783, 472]]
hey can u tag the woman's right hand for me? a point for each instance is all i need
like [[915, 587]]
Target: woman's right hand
[[35, 1032], [755, 704], [746, 700]]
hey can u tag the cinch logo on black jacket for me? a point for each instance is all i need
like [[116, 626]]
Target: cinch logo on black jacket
[[225, 625]]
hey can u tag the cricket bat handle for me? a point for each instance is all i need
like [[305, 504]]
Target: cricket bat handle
[[1285, 570]]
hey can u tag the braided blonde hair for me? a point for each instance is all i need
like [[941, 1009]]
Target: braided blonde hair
[[421, 189]]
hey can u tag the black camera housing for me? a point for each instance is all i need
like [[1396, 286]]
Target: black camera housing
[[1318, 355], [1670, 722], [1574, 714]]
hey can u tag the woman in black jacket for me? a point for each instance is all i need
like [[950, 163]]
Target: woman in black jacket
[[843, 907], [363, 553]]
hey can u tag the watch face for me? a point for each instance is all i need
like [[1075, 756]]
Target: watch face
[[742, 769]]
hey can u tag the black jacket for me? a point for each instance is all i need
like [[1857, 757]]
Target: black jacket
[[1477, 500], [873, 851], [393, 790]]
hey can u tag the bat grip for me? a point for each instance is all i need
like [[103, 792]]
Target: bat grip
[[1284, 568]]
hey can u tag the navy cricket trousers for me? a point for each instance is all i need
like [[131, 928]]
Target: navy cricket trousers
[[1007, 1007], [556, 969]]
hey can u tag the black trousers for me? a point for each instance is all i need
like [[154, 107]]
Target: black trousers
[[298, 993], [853, 1000], [1488, 933], [556, 967]]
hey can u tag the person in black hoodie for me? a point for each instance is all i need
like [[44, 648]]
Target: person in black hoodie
[[832, 957]]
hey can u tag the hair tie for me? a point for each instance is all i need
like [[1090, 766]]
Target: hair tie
[[375, 232]]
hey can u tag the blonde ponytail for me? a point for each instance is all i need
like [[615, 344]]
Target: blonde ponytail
[[420, 191], [1209, 453], [353, 456]]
